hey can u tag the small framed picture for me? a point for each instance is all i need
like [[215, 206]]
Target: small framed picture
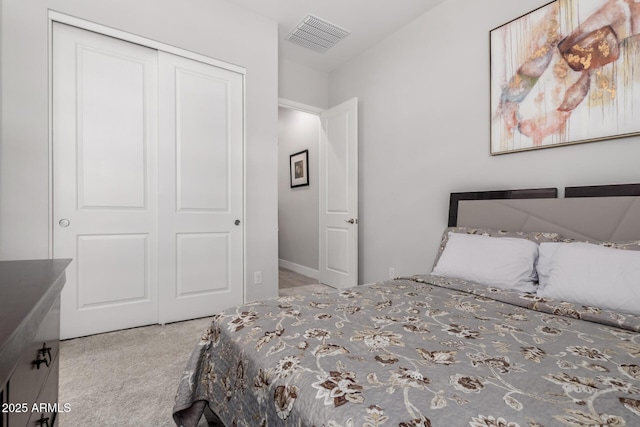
[[299, 164]]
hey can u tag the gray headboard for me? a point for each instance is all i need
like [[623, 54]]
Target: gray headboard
[[613, 219]]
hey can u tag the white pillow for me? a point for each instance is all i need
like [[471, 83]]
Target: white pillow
[[591, 275], [503, 262], [546, 251]]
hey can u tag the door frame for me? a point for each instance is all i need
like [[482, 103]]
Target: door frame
[[55, 16], [317, 111]]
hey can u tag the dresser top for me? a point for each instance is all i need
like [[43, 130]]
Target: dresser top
[[27, 292]]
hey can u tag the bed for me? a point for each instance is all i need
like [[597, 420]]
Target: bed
[[435, 350]]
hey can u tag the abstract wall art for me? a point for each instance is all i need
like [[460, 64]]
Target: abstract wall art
[[565, 73]]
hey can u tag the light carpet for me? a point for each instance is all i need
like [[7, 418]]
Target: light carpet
[[126, 378]]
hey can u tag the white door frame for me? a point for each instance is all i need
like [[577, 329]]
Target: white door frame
[[316, 111], [294, 105], [54, 16]]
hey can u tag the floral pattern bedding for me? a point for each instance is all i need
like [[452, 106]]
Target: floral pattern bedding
[[420, 351]]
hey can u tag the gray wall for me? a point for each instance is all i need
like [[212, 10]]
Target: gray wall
[[302, 84], [213, 28], [298, 207], [424, 132]]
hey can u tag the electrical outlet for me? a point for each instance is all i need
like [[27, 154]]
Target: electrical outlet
[[392, 273], [257, 278]]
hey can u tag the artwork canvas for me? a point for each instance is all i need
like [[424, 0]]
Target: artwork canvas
[[566, 73]]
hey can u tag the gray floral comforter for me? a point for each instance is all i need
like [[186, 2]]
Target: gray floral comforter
[[422, 351]]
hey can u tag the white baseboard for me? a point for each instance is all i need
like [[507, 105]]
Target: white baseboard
[[300, 269]]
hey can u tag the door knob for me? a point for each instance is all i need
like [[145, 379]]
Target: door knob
[[64, 223], [351, 221], [237, 222]]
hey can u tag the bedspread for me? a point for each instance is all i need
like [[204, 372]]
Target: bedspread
[[420, 351]]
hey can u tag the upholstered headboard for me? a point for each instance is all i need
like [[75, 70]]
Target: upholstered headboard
[[589, 217], [595, 218]]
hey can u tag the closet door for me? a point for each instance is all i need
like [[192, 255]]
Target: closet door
[[104, 180], [150, 210], [201, 187]]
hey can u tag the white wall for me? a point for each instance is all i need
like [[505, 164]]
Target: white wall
[[299, 83], [298, 208], [424, 132], [208, 27]]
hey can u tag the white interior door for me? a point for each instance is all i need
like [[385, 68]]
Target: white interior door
[[201, 203], [339, 195], [104, 172]]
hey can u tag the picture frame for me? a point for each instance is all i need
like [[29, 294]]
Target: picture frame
[[299, 169], [564, 74]]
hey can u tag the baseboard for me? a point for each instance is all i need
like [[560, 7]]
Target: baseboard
[[300, 269]]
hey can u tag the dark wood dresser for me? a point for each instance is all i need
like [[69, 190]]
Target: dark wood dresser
[[29, 341]]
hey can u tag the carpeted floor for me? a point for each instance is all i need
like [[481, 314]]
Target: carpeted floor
[[129, 378], [125, 378]]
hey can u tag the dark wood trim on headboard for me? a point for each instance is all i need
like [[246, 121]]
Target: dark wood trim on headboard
[[533, 193], [603, 190]]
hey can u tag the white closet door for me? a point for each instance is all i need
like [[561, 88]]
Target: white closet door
[[201, 187], [104, 172], [151, 211]]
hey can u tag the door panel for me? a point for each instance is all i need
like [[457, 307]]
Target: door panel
[[112, 269], [339, 195], [202, 263], [337, 165], [111, 140], [201, 146], [202, 141], [104, 174], [337, 250]]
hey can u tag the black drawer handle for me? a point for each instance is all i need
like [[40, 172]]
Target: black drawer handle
[[43, 421], [39, 362], [42, 356], [45, 351]]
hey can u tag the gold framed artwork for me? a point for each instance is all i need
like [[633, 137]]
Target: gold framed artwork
[[565, 73]]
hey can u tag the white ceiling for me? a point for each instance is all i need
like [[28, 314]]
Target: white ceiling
[[369, 22]]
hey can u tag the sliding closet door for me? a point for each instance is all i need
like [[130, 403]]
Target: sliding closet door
[[201, 187], [104, 180], [147, 184]]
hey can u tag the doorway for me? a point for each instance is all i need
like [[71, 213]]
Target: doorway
[[298, 207], [318, 224]]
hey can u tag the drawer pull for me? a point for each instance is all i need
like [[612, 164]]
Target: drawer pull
[[39, 362], [45, 351], [43, 421], [42, 356]]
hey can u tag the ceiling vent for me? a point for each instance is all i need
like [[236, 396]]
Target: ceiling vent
[[316, 34]]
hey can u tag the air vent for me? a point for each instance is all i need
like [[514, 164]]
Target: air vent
[[316, 34]]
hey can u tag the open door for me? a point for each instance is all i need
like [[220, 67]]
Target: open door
[[339, 195]]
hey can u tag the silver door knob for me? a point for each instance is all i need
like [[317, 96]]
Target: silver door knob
[[237, 222], [64, 223], [351, 221]]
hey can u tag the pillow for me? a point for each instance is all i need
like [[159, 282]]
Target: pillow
[[534, 236], [507, 263], [629, 246], [590, 274]]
